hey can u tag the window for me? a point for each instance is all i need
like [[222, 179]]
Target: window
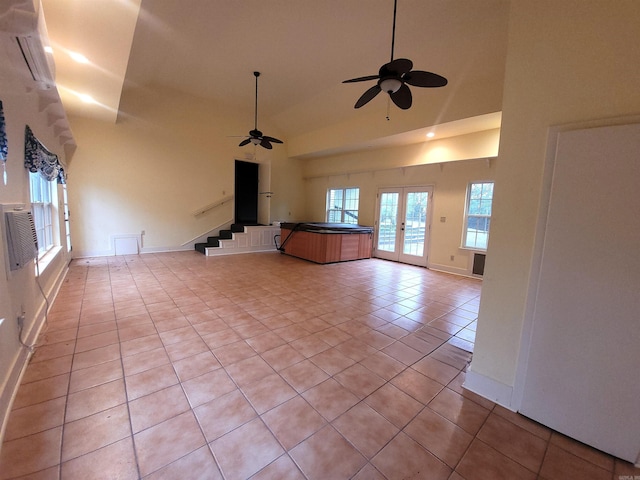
[[478, 215], [43, 193], [342, 205]]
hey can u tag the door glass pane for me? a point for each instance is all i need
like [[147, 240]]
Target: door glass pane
[[415, 223], [388, 221]]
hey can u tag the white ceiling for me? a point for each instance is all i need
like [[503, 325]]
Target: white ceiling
[[304, 49]]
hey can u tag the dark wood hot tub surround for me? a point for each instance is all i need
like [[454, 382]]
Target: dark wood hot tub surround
[[326, 242]]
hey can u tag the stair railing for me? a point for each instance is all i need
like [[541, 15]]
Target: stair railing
[[213, 205]]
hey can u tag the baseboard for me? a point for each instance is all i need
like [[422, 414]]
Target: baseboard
[[182, 248], [10, 388], [454, 270], [489, 388]]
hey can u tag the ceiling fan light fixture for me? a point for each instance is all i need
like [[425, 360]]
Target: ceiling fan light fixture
[[255, 136], [395, 77], [390, 85]]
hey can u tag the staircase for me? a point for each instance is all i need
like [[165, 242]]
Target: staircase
[[240, 239]]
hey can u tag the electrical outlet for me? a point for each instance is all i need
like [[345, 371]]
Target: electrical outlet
[[20, 319], [452, 257]]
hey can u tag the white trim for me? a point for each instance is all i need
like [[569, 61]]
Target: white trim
[[10, 387], [203, 236], [489, 388], [463, 272], [243, 243]]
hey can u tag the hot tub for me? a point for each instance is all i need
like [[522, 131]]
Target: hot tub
[[326, 242]]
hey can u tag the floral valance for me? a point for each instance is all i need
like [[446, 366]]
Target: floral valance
[[38, 159], [4, 146]]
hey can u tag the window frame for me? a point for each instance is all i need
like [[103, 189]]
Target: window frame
[[346, 214], [465, 244], [43, 197]]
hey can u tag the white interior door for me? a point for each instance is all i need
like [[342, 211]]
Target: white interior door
[[581, 376], [403, 224]]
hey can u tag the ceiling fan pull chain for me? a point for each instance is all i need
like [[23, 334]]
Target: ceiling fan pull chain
[[388, 109]]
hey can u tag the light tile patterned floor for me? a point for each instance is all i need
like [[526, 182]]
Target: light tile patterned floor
[[263, 366]]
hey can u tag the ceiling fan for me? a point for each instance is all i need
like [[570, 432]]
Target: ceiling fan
[[393, 78], [255, 136]]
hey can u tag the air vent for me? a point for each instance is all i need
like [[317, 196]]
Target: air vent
[[35, 59], [24, 25], [478, 263]]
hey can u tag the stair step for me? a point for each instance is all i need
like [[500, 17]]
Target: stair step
[[245, 240]]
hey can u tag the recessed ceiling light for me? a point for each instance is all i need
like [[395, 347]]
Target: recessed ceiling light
[[78, 57], [431, 135]]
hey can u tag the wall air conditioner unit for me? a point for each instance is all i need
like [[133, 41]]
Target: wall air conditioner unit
[[22, 241], [28, 32]]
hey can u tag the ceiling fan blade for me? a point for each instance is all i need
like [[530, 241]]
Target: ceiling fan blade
[[265, 143], [271, 139], [368, 96], [244, 142], [419, 78], [402, 98], [398, 66], [363, 79]]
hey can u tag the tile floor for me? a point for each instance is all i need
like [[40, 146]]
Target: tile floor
[[263, 366]]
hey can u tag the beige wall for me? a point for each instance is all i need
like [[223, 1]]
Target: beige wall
[[168, 156], [20, 290], [411, 166], [570, 61]]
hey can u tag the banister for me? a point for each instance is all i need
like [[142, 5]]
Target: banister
[[211, 206]]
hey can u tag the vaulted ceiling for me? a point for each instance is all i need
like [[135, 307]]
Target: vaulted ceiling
[[304, 49]]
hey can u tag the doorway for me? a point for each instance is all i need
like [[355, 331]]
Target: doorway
[[403, 224], [246, 193]]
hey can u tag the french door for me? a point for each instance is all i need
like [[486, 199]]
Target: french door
[[403, 223]]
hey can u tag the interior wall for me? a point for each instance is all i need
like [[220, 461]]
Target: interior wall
[[20, 290], [372, 170], [168, 156], [567, 62]]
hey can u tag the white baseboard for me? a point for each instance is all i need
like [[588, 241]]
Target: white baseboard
[[489, 388], [10, 388], [182, 248], [454, 270]]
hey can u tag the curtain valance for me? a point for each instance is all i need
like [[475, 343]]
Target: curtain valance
[[38, 159], [4, 146]]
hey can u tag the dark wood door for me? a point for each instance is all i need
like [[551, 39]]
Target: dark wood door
[[246, 193]]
